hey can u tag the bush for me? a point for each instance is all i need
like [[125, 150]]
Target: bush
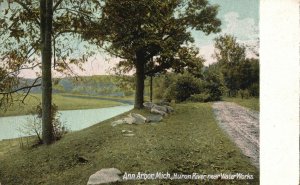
[[254, 90], [202, 97], [34, 126], [244, 94], [185, 86], [214, 85]]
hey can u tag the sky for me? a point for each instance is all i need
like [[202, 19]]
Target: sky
[[239, 18]]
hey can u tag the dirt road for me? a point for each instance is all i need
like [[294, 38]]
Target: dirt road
[[242, 125]]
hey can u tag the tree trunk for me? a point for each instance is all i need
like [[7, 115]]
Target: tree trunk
[[46, 11], [151, 88], [140, 76]]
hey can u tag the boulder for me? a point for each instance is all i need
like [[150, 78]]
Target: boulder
[[154, 118], [160, 108], [126, 131], [169, 109], [154, 110], [139, 119], [118, 122], [148, 105], [129, 120], [106, 175]]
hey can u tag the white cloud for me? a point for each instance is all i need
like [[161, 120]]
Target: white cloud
[[206, 52], [243, 29]]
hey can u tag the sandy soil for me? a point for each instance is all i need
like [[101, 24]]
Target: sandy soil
[[242, 125]]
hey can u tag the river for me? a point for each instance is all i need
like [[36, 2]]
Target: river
[[73, 119]]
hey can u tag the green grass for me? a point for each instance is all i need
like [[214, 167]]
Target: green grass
[[185, 142], [251, 103], [63, 103]]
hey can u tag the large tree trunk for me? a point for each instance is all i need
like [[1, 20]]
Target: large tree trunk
[[46, 11], [151, 88], [140, 76]]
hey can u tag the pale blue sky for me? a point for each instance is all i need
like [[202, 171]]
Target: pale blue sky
[[237, 16]]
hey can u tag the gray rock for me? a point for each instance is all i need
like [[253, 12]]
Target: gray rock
[[148, 105], [169, 109], [129, 120], [118, 122], [159, 110], [126, 131], [154, 118], [106, 175], [139, 119], [128, 135]]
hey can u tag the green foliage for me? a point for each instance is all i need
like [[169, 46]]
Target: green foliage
[[185, 86], [239, 73], [254, 90], [202, 97], [34, 126], [244, 94]]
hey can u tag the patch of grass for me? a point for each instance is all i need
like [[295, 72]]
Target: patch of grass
[[251, 103], [63, 103], [188, 141]]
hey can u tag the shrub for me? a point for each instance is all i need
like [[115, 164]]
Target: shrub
[[244, 94], [185, 86], [34, 126], [202, 97], [214, 85], [254, 90]]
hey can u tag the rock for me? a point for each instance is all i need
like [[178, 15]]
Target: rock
[[169, 109], [106, 175], [148, 105], [118, 122], [164, 103], [81, 159], [139, 119], [159, 110], [128, 131], [154, 118], [129, 135], [129, 120]]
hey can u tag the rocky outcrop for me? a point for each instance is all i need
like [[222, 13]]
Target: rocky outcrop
[[104, 176]]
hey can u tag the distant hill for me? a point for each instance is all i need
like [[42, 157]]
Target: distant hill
[[103, 85]]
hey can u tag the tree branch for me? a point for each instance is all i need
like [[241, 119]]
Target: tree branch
[[56, 5], [27, 9], [22, 88]]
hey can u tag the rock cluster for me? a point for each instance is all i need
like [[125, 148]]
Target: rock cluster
[[158, 111]]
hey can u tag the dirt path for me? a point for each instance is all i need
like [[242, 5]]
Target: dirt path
[[242, 125]]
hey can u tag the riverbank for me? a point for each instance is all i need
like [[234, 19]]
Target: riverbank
[[64, 102], [188, 141]]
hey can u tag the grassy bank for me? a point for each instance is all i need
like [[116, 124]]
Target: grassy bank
[[188, 141], [62, 101], [251, 103]]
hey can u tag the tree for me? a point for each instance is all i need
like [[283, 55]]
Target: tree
[[30, 29], [239, 72], [138, 30], [46, 17]]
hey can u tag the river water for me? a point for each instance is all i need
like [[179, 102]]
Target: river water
[[73, 119]]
